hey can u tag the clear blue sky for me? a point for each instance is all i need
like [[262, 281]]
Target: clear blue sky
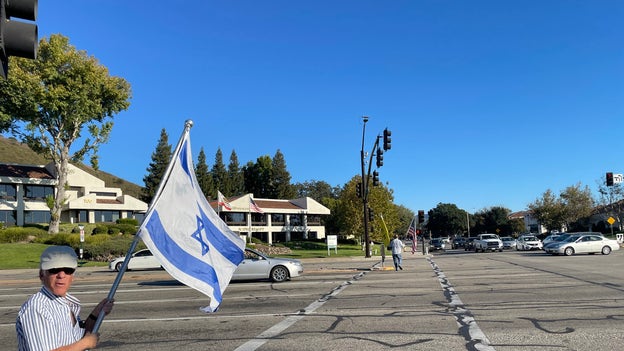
[[490, 103]]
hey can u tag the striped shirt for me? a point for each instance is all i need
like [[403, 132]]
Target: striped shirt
[[45, 322]]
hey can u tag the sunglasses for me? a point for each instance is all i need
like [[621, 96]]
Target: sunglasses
[[65, 270]]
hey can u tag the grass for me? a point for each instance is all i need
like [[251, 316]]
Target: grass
[[26, 255]]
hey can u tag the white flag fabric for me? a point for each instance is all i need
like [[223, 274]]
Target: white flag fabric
[[185, 234], [222, 201]]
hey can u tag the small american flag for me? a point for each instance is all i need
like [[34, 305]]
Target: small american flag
[[254, 207]]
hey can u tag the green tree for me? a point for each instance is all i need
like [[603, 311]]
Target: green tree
[[578, 204], [157, 167], [611, 199], [204, 178], [58, 97], [315, 189], [549, 211], [446, 219], [280, 178], [220, 175], [258, 177], [235, 175]]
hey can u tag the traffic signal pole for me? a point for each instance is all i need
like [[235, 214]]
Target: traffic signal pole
[[366, 177], [365, 192]]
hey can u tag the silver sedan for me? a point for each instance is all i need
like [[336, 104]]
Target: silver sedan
[[583, 244], [255, 266]]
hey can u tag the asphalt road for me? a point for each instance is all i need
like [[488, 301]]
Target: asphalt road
[[452, 300]]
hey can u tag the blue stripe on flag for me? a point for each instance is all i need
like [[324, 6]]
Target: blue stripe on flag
[[181, 259], [220, 242], [184, 161]]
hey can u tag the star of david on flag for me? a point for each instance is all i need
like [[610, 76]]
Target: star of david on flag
[[186, 235]]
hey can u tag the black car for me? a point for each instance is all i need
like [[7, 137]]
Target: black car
[[469, 244], [458, 242]]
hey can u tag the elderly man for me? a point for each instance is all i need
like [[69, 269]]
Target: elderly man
[[49, 319]]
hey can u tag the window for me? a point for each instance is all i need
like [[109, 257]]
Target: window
[[314, 219], [7, 192], [234, 218], [36, 217], [106, 216], [7, 217], [83, 216], [38, 192], [278, 219], [296, 220]]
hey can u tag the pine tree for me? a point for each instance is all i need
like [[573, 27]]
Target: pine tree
[[280, 178], [235, 175], [219, 174], [204, 178], [156, 170]]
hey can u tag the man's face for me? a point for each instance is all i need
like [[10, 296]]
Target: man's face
[[57, 280]]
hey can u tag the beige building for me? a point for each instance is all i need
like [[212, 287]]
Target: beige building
[[278, 221], [24, 189]]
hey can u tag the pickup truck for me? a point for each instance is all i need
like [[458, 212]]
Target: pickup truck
[[490, 242]]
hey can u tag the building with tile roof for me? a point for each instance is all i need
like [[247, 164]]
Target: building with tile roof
[[278, 221], [24, 189]]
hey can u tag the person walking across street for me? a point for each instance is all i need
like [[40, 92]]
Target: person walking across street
[[49, 319], [397, 252]]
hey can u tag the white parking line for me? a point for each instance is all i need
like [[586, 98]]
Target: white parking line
[[467, 325]]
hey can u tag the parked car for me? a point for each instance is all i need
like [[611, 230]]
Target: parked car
[[508, 242], [528, 242], [142, 259], [584, 243], [437, 244], [255, 266]]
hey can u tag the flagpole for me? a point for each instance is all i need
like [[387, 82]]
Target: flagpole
[[188, 124]]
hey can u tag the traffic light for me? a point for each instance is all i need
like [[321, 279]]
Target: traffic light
[[387, 141], [609, 178], [375, 178], [371, 214], [379, 158], [358, 190], [17, 38], [421, 216]]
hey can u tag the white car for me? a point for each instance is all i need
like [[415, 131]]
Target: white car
[[528, 242], [142, 259], [255, 266], [587, 243]]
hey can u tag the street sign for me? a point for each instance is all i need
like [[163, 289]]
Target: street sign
[[617, 178], [611, 220]]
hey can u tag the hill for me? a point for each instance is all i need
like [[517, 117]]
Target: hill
[[12, 151]]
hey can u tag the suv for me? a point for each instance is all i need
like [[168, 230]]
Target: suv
[[528, 242], [488, 242]]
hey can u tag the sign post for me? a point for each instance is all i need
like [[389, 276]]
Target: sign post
[[81, 227], [332, 243]]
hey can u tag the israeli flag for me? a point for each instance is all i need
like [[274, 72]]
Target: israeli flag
[[186, 235]]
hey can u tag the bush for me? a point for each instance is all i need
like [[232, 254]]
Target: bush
[[19, 234], [129, 221], [100, 229]]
